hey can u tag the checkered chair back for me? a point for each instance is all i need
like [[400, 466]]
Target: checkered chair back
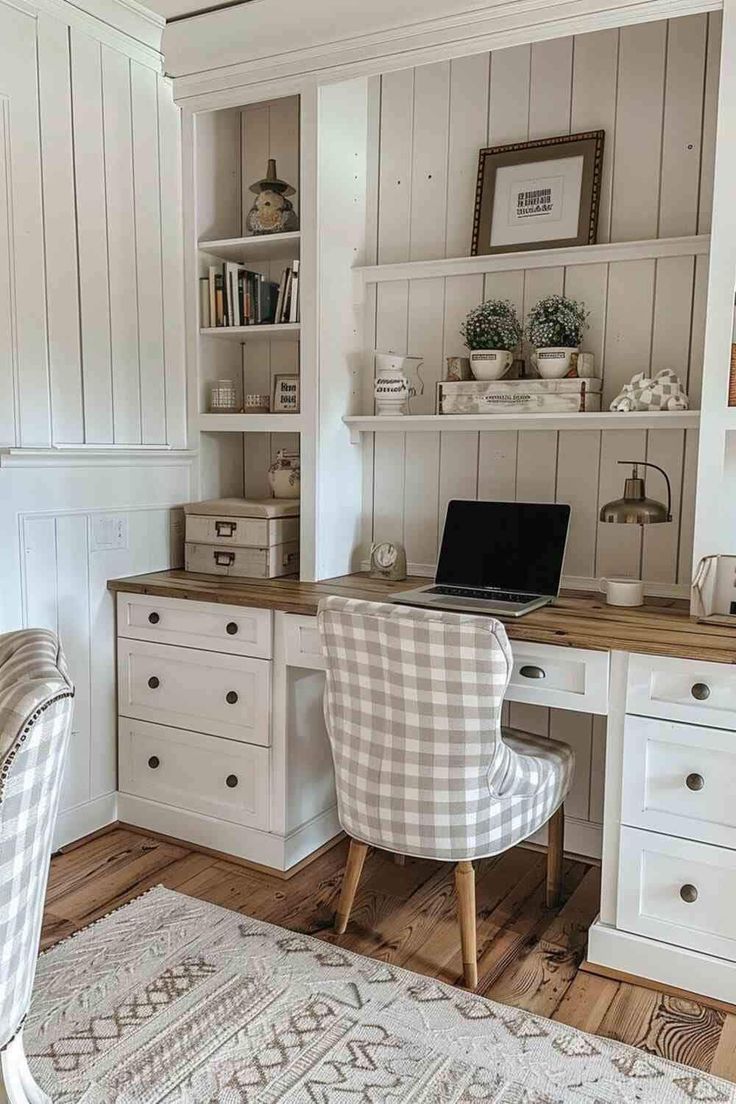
[[413, 708], [35, 720]]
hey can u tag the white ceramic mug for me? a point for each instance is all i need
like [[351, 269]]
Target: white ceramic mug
[[623, 592]]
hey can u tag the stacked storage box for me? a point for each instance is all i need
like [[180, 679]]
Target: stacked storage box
[[256, 538]]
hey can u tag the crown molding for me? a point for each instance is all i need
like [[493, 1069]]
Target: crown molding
[[81, 456], [249, 46], [124, 25]]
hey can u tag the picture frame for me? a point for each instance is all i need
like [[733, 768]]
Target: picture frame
[[286, 395], [543, 194]]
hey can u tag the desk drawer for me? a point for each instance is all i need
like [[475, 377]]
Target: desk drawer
[[301, 641], [682, 690], [221, 695], [564, 678], [679, 779], [238, 630], [678, 892], [203, 774]]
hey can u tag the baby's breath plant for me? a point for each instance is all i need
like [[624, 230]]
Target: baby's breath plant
[[557, 322], [492, 325]]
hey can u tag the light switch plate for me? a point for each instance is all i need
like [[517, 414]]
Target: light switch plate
[[109, 531]]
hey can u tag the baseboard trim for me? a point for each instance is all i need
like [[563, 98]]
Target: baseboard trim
[[649, 961], [85, 820]]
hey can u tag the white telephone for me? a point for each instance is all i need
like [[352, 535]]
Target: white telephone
[[714, 587]]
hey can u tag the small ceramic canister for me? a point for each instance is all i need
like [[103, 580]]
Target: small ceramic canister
[[257, 404]]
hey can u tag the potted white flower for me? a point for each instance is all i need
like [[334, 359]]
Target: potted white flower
[[492, 331], [555, 327]]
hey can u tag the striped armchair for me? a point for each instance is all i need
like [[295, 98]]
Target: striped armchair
[[35, 720], [413, 703]]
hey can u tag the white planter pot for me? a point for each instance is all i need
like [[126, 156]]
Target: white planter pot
[[554, 362], [490, 364]]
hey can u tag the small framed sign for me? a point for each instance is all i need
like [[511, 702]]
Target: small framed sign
[[285, 395], [537, 195]]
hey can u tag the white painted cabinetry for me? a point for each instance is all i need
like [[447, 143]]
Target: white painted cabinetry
[[223, 744]]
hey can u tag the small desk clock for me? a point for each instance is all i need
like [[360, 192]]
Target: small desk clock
[[388, 561]]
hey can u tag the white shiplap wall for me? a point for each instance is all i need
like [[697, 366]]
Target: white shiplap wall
[[652, 88], [91, 317]]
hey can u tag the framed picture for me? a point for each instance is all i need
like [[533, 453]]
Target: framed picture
[[285, 395], [537, 195]]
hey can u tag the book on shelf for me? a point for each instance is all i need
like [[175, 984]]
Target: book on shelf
[[287, 304], [232, 295]]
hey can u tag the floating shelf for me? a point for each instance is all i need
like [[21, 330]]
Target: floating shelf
[[473, 423], [271, 247], [250, 423], [537, 258], [283, 331]]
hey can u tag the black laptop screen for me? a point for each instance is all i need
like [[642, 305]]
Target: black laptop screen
[[509, 545]]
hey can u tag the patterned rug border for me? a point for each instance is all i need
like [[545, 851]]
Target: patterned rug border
[[728, 1088]]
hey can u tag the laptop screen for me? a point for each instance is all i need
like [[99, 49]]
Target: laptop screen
[[507, 545]]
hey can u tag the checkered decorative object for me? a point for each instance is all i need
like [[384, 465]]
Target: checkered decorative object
[[662, 392], [413, 709], [35, 720]]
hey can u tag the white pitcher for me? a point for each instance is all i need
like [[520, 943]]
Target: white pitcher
[[392, 390]]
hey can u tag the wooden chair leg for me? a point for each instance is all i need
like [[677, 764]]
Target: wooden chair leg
[[555, 846], [465, 890], [353, 870]]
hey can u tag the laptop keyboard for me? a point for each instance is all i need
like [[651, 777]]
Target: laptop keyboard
[[486, 595]]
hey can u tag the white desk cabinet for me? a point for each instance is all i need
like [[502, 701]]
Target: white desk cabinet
[[221, 742]]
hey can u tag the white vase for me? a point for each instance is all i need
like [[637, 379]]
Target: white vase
[[490, 364], [392, 389], [553, 362]]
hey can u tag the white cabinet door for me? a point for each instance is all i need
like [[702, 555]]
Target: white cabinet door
[[221, 695], [189, 770], [679, 779], [678, 892], [302, 644], [682, 690]]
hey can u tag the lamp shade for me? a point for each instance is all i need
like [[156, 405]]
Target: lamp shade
[[634, 508]]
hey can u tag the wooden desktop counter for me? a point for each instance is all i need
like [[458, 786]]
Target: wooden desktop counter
[[662, 626]]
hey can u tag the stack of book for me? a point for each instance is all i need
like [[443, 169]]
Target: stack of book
[[232, 295]]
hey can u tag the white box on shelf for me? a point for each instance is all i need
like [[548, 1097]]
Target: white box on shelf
[[246, 563], [519, 396], [242, 523]]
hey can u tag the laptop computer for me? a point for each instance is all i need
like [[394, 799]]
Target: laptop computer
[[501, 558]]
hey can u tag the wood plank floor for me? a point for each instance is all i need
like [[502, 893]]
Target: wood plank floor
[[528, 955]]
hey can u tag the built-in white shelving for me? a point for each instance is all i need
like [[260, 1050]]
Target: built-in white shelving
[[249, 423], [265, 247], [282, 331], [604, 253], [435, 423]]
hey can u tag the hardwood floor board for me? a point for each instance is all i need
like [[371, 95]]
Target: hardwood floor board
[[93, 893], [569, 927], [71, 868], [54, 928], [670, 1027], [724, 1059], [586, 1002], [537, 980]]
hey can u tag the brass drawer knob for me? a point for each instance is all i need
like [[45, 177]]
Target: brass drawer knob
[[700, 691], [689, 894], [154, 682], [533, 672], [231, 781], [231, 697], [154, 762], [154, 618], [231, 628], [695, 782]]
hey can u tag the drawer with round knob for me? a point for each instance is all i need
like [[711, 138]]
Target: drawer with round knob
[[679, 779], [196, 772], [222, 695], [566, 678], [240, 630], [682, 690], [677, 891]]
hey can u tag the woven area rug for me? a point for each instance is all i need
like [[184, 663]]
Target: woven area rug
[[174, 1000]]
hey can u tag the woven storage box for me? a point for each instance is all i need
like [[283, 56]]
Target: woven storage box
[[247, 563], [519, 396], [242, 523]]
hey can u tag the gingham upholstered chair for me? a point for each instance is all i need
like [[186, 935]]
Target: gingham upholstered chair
[[422, 766], [35, 719]]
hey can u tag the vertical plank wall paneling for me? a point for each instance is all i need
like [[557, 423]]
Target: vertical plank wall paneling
[[652, 88], [91, 294]]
